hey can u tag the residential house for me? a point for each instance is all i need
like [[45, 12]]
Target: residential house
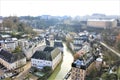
[[59, 45], [9, 43], [81, 65], [11, 61], [50, 56], [78, 42], [24, 43]]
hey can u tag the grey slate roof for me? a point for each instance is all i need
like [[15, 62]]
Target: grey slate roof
[[58, 44], [42, 55], [49, 49], [49, 53], [9, 57]]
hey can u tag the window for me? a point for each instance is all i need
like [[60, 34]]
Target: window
[[72, 77]]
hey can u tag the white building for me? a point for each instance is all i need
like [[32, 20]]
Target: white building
[[78, 42], [98, 63], [49, 57], [75, 47], [11, 61], [9, 43], [24, 43]]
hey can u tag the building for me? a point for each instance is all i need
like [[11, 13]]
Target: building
[[24, 43], [81, 65], [98, 63], [59, 45], [47, 42], [102, 23], [78, 42], [78, 70], [11, 61], [50, 56], [9, 43], [75, 47]]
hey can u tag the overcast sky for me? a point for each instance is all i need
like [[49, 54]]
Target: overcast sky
[[58, 7]]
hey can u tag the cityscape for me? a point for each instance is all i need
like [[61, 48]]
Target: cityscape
[[63, 45]]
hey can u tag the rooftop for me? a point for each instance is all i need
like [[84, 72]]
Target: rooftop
[[84, 61], [9, 57], [49, 49], [49, 53], [101, 19], [42, 55], [58, 44]]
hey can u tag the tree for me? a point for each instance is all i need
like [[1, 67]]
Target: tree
[[46, 69], [13, 24], [118, 45], [17, 49], [107, 76], [7, 79]]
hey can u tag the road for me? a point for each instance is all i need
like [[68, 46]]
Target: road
[[118, 54]]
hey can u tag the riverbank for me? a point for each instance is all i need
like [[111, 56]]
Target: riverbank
[[64, 67]]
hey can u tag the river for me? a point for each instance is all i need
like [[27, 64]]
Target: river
[[64, 67]]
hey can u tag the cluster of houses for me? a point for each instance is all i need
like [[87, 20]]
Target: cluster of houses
[[79, 40], [9, 59], [50, 55], [82, 44]]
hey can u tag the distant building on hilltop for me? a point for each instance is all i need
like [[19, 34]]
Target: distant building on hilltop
[[102, 23]]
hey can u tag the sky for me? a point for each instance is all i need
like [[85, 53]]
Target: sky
[[58, 7]]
